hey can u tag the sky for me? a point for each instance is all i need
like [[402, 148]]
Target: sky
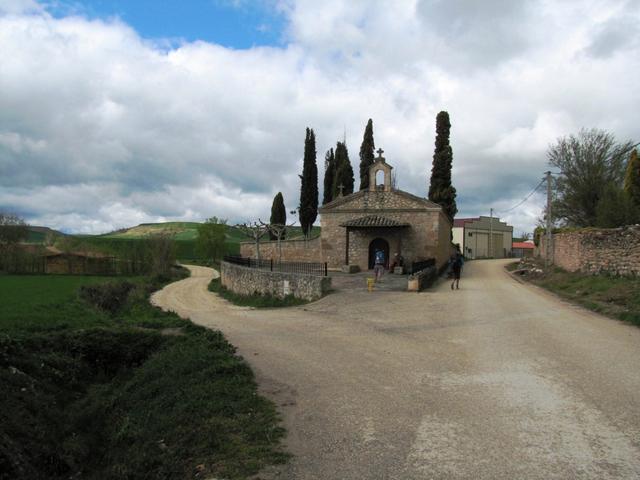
[[115, 113]]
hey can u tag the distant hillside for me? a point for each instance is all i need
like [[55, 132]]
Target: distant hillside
[[185, 234], [178, 230], [186, 231], [38, 234]]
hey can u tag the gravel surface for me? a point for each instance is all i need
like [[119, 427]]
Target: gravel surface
[[497, 380]]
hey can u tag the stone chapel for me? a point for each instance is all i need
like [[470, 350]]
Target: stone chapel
[[382, 217]]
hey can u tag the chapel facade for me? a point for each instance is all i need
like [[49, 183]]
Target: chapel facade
[[381, 217]]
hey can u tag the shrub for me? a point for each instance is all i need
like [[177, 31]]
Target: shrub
[[110, 297]]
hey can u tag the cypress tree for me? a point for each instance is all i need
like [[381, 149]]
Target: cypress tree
[[366, 155], [278, 213], [440, 189], [632, 178], [329, 176], [344, 171], [309, 184]]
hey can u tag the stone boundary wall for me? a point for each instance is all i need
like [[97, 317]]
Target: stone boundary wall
[[614, 251], [251, 281], [292, 250], [422, 279]]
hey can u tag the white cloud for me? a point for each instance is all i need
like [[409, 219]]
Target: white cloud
[[101, 129]]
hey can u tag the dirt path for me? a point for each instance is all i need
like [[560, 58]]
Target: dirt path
[[496, 380]]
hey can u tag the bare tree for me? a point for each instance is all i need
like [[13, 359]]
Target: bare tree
[[279, 232], [13, 230], [254, 231]]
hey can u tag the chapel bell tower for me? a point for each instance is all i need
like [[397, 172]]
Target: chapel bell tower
[[380, 165]]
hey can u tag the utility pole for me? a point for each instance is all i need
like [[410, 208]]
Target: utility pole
[[490, 233], [547, 260]]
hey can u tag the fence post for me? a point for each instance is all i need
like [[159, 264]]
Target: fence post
[[271, 264], [325, 269]]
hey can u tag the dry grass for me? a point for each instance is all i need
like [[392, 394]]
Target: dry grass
[[616, 297]]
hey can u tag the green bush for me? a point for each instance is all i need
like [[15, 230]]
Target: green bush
[[110, 297]]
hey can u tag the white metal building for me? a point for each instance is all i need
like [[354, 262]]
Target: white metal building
[[472, 234]]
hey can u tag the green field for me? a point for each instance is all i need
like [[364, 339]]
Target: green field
[[47, 302], [138, 393], [185, 235]]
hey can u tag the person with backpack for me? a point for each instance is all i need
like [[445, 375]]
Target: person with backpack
[[456, 267], [378, 268]]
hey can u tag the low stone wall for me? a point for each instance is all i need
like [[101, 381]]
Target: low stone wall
[[252, 281], [422, 279], [613, 251], [292, 250]]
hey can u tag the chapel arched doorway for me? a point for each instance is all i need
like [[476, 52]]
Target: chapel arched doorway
[[374, 246]]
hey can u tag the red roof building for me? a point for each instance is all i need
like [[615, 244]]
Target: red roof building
[[523, 249]]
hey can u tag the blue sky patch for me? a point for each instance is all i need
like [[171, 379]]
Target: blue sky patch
[[235, 24]]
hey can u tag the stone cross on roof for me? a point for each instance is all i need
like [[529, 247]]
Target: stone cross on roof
[[380, 152], [340, 187]]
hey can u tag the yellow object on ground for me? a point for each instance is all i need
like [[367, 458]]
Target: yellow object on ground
[[370, 283]]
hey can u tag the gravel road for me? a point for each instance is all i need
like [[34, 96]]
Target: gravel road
[[497, 380]]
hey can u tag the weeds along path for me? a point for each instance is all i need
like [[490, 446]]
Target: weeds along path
[[495, 380]]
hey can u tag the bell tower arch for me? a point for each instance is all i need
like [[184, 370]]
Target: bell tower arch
[[380, 165]]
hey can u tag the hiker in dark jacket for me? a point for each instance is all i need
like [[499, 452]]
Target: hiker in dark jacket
[[456, 268]]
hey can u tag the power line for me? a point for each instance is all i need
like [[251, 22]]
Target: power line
[[524, 199]]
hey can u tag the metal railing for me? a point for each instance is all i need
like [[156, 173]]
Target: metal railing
[[417, 266], [303, 268]]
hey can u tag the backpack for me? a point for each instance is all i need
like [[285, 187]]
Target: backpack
[[380, 257]]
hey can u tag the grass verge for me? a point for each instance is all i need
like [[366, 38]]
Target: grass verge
[[255, 301], [129, 392], [616, 297]]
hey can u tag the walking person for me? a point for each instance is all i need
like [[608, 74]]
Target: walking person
[[456, 268], [378, 268]]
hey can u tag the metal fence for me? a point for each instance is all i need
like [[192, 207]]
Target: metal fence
[[417, 266], [304, 268]]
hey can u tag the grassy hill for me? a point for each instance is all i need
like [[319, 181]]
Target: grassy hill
[[178, 230], [187, 231], [184, 233], [39, 234]]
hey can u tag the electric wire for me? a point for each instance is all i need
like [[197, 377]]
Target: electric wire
[[524, 199]]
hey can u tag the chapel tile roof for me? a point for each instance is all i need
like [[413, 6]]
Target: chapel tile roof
[[371, 221]]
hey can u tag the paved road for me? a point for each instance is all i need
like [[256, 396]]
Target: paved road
[[495, 381]]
